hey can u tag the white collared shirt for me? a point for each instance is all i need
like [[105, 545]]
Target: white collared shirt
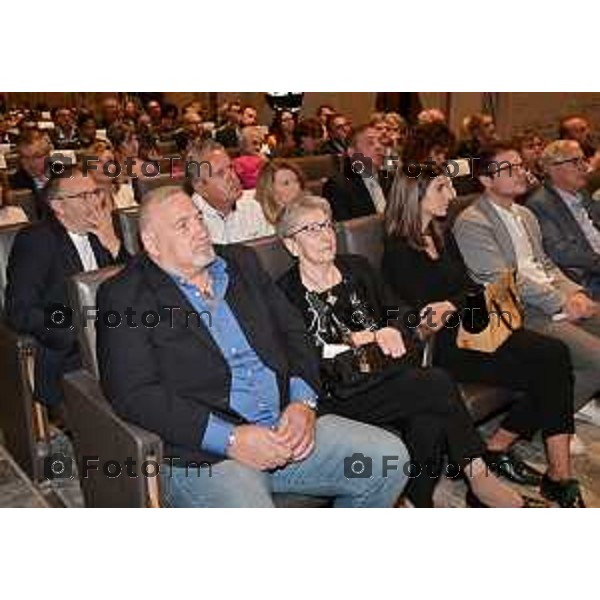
[[376, 193], [85, 251], [526, 261], [246, 222]]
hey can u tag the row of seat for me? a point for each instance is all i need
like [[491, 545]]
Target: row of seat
[[89, 413], [97, 430]]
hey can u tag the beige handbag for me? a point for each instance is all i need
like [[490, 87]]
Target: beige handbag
[[505, 315]]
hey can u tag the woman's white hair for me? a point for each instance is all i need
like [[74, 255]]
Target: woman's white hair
[[288, 221]]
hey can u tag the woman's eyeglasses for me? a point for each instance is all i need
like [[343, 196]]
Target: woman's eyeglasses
[[314, 228]]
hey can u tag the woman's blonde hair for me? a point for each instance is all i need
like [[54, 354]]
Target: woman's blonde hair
[[265, 193]]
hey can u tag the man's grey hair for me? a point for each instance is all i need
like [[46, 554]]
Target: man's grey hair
[[557, 151], [198, 159], [156, 197], [290, 217]]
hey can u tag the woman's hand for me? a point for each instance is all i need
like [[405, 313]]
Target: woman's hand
[[390, 341], [435, 315], [362, 338]]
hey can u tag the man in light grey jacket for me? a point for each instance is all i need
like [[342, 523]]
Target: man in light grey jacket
[[495, 234]]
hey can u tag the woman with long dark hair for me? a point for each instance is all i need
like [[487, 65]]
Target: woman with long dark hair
[[424, 267]]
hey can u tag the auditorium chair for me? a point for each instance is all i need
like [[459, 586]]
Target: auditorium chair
[[593, 182], [142, 186], [317, 169], [25, 199], [126, 221], [167, 148], [23, 420]]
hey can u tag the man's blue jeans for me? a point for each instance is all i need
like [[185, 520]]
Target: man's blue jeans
[[323, 473]]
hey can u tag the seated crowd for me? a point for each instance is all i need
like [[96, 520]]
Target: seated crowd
[[291, 377]]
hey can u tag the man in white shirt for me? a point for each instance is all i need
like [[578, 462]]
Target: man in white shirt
[[231, 215], [495, 234], [77, 236]]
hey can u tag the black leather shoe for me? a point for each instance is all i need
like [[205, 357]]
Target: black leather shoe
[[506, 464], [472, 501], [564, 493]]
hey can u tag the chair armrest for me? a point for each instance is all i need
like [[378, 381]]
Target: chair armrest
[[100, 436], [23, 420]]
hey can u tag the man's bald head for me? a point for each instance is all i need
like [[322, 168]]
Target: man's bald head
[[153, 200], [173, 233]]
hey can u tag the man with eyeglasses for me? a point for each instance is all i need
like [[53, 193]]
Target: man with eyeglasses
[[495, 234], [360, 189], [33, 148], [77, 236], [236, 384], [568, 216]]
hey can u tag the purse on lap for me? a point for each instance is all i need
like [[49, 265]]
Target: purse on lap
[[491, 315]]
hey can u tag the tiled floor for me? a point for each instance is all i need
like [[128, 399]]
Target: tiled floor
[[17, 491]]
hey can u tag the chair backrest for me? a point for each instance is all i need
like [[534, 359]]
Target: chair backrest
[[363, 236], [82, 295], [168, 148], [458, 205], [7, 237], [127, 222], [593, 181], [318, 168], [25, 199], [273, 256], [144, 185]]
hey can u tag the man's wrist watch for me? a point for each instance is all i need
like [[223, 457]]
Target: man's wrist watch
[[230, 442], [310, 402]]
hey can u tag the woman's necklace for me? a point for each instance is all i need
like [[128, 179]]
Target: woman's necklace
[[324, 284]]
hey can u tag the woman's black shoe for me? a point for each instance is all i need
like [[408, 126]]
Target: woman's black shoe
[[564, 493], [508, 465], [472, 501]]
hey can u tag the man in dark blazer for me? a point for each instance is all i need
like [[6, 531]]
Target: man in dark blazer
[[568, 216], [338, 134], [361, 189], [225, 374], [78, 236], [33, 149]]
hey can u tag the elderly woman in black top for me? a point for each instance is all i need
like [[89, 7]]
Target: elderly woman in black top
[[424, 267], [368, 367]]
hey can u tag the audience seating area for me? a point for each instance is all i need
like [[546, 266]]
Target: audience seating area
[[95, 429]]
